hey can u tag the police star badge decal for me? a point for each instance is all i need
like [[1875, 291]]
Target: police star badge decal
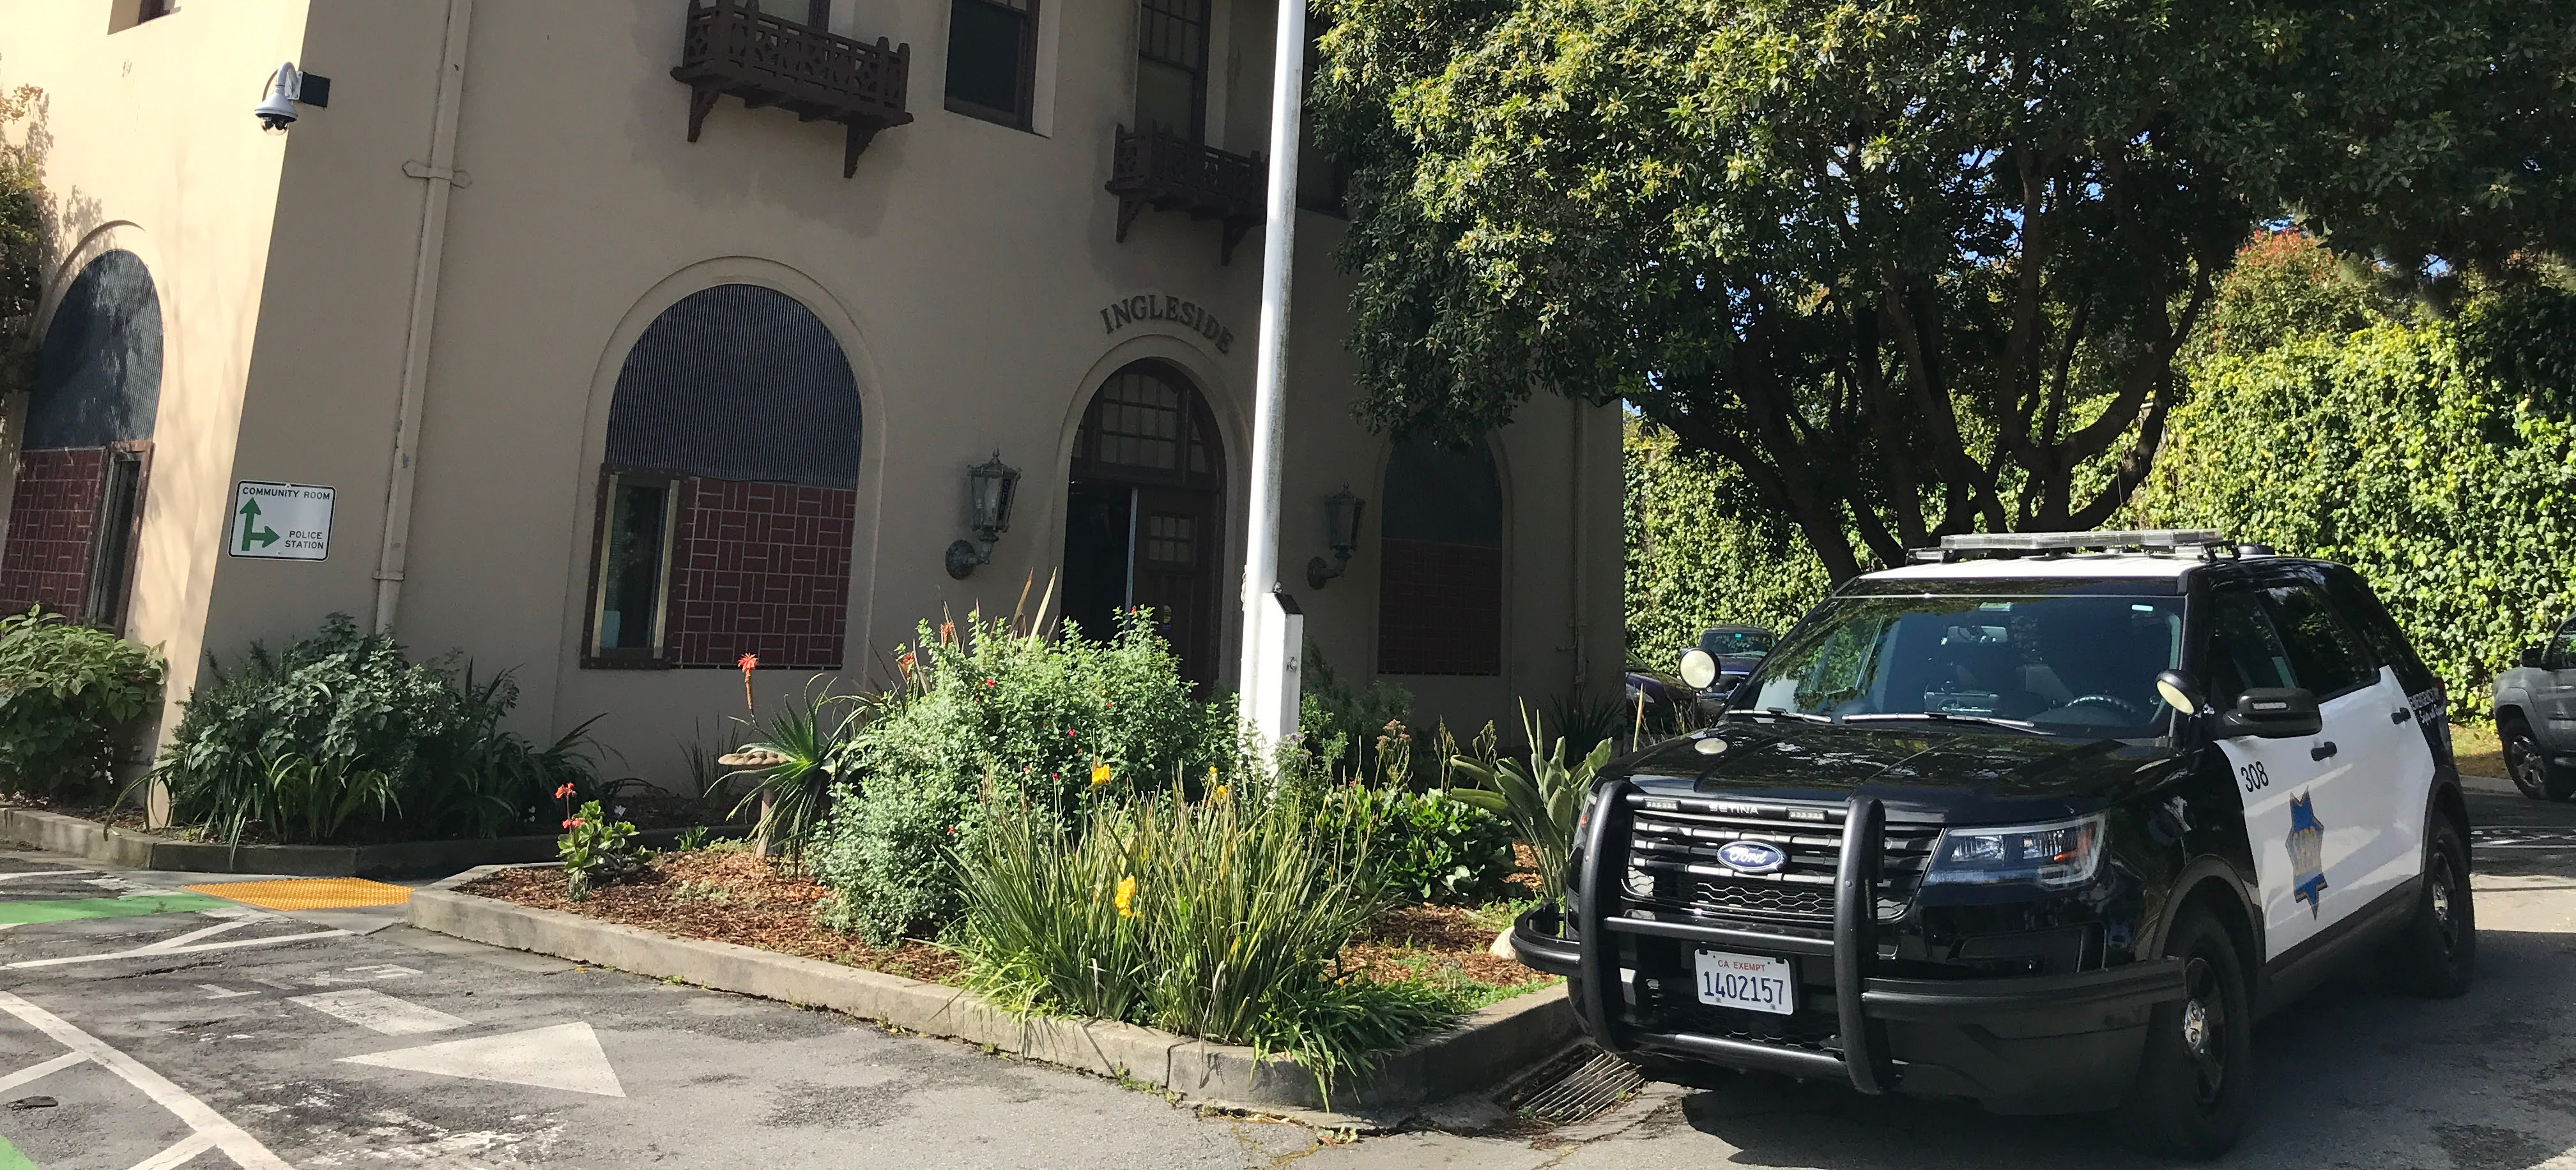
[[2306, 843]]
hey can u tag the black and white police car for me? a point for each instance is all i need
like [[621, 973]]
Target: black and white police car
[[2040, 820]]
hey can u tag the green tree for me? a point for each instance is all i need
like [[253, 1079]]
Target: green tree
[[1912, 267], [22, 236]]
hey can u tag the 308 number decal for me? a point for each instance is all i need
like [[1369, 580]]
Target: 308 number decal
[[2253, 777]]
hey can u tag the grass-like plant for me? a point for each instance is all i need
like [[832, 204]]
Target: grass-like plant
[[1222, 918]]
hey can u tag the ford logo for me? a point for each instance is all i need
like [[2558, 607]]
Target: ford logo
[[1753, 856]]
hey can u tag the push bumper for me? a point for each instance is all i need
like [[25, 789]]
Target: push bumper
[[2049, 1043]]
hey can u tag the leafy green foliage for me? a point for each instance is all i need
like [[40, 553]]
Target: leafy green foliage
[[1220, 918], [595, 850], [1701, 553], [352, 704], [1541, 799], [65, 691], [1911, 267], [22, 233], [1339, 724], [1422, 846], [1058, 723]]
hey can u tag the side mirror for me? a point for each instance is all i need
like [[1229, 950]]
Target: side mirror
[[2533, 656], [2181, 691], [2273, 713], [1698, 669]]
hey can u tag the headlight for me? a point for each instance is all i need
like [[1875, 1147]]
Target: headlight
[[2058, 855]]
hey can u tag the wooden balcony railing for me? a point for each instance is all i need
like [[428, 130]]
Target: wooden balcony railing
[[1167, 172], [732, 47]]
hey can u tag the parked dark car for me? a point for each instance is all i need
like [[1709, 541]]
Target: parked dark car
[[2044, 821]]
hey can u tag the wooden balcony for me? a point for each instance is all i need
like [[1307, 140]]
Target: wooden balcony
[[1167, 172], [732, 47]]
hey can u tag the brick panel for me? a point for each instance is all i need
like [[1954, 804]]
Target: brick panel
[[762, 568], [1439, 608], [51, 519]]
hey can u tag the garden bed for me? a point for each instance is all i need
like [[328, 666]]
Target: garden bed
[[733, 896], [115, 844]]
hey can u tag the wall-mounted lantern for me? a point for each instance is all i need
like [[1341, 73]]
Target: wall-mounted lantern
[[1342, 531], [989, 487]]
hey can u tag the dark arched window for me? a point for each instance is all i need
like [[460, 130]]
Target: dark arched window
[[729, 496], [1145, 510], [1440, 565], [78, 500]]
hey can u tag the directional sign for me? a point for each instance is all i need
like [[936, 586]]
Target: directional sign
[[281, 521]]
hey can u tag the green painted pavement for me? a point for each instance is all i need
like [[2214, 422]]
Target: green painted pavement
[[67, 909], [11, 1159]]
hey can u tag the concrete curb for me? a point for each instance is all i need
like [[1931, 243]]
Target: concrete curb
[[1482, 1051], [2490, 785], [81, 837]]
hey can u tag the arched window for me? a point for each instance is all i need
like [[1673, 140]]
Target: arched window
[[729, 496], [1144, 512], [1440, 563], [78, 503]]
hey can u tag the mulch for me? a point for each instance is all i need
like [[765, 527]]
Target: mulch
[[738, 897], [722, 896], [1446, 938]]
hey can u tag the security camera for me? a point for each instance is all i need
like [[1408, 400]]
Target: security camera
[[288, 88]]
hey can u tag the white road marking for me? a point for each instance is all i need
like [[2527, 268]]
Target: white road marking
[[236, 1143], [218, 991], [386, 970], [372, 1009], [36, 1072], [33, 873], [178, 1153], [171, 948], [564, 1056]]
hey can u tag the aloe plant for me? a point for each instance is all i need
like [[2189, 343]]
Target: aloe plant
[[1541, 799]]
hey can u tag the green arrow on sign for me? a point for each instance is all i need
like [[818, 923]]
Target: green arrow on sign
[[250, 528]]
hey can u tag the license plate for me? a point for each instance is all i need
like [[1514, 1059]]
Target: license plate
[[1751, 982]]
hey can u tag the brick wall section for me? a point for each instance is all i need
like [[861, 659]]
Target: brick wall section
[[47, 558], [763, 568], [1440, 608]]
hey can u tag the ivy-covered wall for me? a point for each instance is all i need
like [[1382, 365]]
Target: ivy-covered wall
[[1699, 553]]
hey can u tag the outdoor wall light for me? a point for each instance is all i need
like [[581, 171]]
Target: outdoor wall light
[[1342, 530], [989, 487]]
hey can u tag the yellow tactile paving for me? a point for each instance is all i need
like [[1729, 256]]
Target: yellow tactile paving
[[308, 893]]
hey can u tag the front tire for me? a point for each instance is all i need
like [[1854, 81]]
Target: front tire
[[2436, 954], [2530, 768], [2195, 1089]]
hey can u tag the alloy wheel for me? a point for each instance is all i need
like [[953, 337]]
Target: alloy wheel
[[2522, 759], [2204, 1029]]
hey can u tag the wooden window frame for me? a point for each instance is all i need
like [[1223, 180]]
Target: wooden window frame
[[661, 654], [1206, 21], [1025, 117], [127, 545]]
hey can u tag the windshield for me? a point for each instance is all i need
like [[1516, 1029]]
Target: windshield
[[2067, 665], [1744, 643]]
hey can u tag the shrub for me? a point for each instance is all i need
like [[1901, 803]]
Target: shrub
[[1055, 723], [65, 690], [1340, 725], [1542, 799], [1222, 918], [595, 850], [352, 704], [1425, 847], [1702, 550]]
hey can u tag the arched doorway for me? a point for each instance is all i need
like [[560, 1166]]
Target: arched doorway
[[1145, 511], [728, 499], [77, 506], [1440, 562]]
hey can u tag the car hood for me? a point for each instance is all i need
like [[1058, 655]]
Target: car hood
[[1917, 771]]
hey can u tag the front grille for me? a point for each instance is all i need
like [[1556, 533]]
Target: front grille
[[1674, 842]]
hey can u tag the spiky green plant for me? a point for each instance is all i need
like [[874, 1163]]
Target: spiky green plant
[[1541, 799]]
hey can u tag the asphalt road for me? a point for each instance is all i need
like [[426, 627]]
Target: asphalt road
[[166, 1030]]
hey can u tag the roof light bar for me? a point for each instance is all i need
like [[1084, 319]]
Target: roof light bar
[[2012, 543]]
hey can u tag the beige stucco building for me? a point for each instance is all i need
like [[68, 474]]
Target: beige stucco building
[[614, 374]]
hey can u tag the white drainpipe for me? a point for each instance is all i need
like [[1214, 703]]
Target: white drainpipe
[[442, 178]]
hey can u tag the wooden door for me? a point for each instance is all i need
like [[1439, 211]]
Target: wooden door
[[1177, 542]]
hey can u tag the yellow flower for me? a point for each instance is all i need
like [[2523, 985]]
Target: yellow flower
[[1099, 775], [1127, 896], [1220, 791]]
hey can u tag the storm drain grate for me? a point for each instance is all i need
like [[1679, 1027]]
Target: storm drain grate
[[1577, 1086]]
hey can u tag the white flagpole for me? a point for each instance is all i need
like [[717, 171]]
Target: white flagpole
[[1269, 705]]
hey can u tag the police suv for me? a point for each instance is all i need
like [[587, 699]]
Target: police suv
[[2041, 820]]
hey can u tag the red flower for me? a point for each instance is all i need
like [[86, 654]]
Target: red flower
[[988, 682], [747, 663], [1068, 733], [572, 822], [564, 791]]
